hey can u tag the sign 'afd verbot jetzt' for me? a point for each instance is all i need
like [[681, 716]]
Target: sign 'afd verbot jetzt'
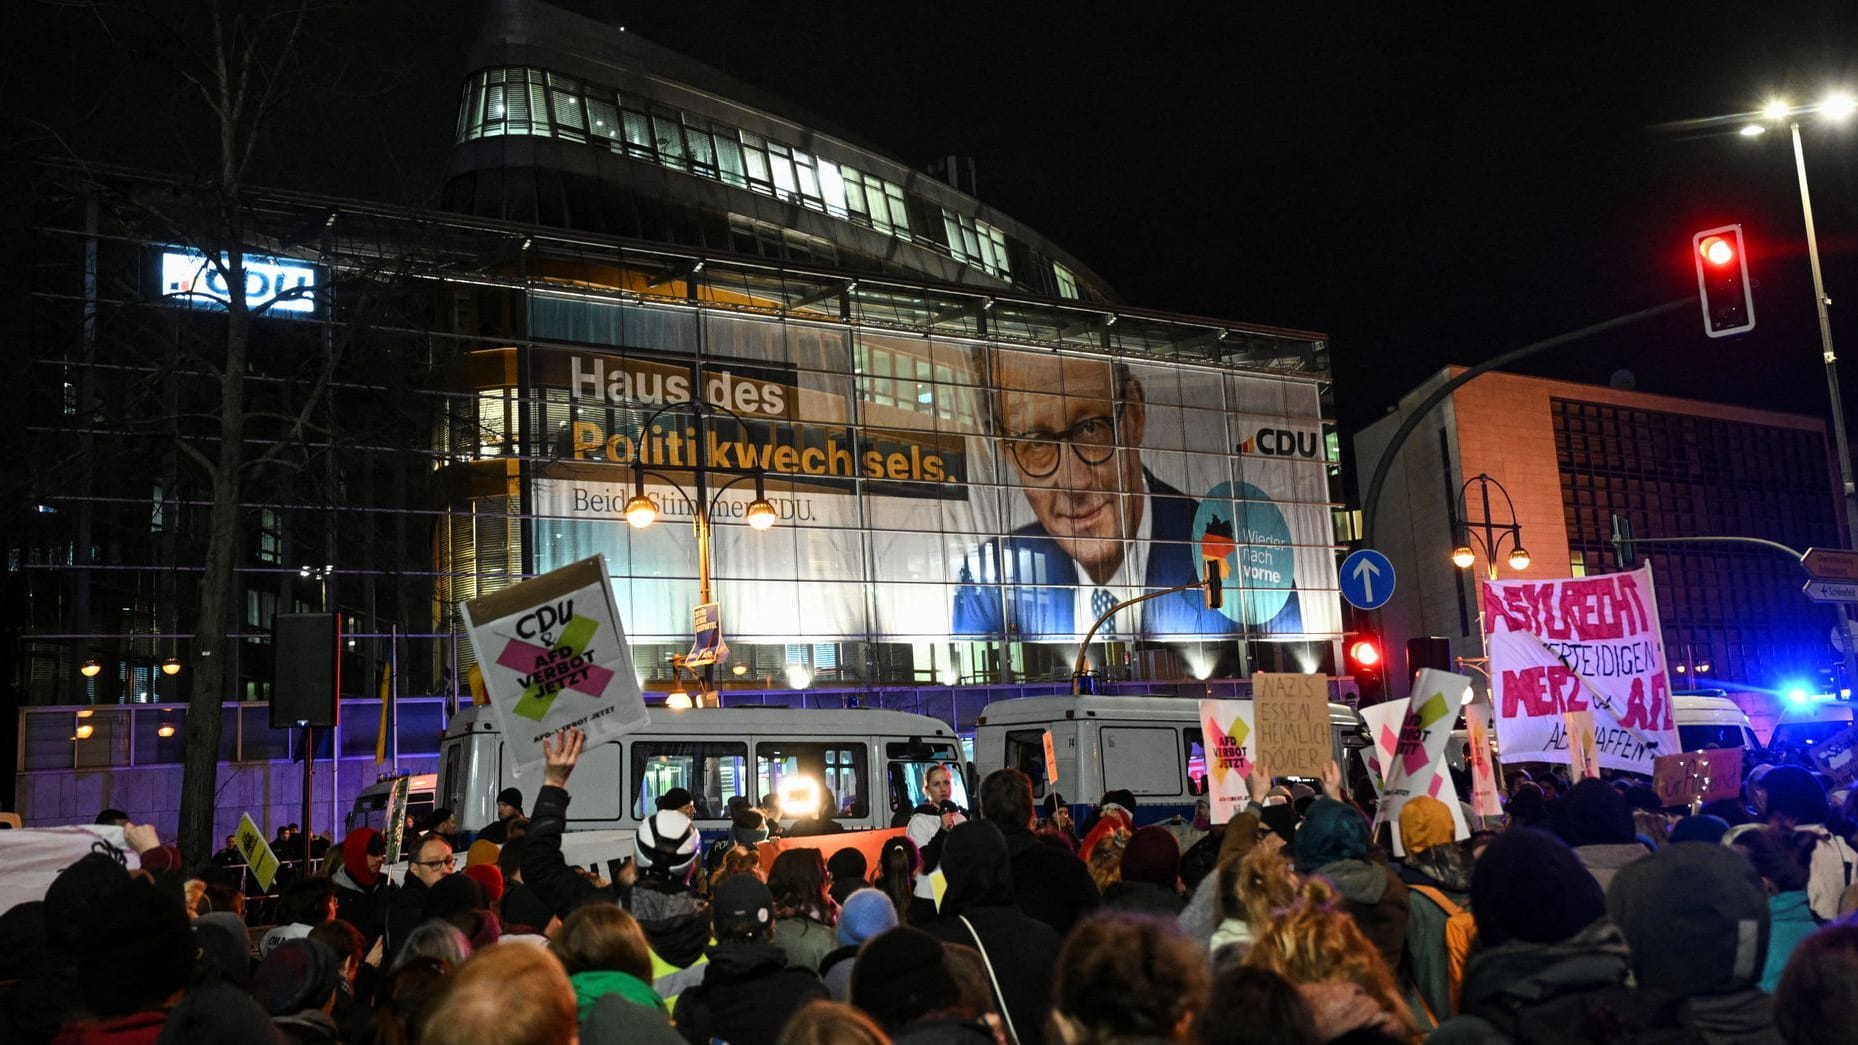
[[1228, 729], [1417, 765], [1562, 647], [554, 655]]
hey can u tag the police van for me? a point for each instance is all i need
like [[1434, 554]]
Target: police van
[[1151, 745], [858, 765]]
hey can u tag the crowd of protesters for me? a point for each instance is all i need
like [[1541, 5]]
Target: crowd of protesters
[[1587, 913]]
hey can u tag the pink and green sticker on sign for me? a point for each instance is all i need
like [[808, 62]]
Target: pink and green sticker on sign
[[546, 671]]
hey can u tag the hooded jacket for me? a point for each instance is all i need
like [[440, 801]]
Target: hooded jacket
[[1538, 992], [1049, 883], [1333, 842], [1023, 951], [747, 994], [361, 897]]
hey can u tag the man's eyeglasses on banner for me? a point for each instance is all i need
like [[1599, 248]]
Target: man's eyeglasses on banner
[[1092, 439]]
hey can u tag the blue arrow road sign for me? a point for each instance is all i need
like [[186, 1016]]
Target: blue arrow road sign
[[1367, 579]]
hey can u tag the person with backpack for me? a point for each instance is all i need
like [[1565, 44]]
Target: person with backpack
[[1439, 926], [1796, 804], [1546, 954]]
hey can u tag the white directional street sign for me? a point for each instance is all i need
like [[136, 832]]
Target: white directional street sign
[[1832, 591]]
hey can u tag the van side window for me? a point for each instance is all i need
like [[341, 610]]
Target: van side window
[[1025, 751], [839, 767], [713, 773], [907, 765], [1145, 759]]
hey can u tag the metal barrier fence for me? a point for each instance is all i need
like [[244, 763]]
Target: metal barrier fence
[[66, 737]]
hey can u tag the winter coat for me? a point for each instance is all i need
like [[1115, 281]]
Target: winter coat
[[1446, 868], [1199, 919], [925, 829], [1604, 861], [1743, 1017], [1535, 992], [1379, 901], [363, 908], [676, 924], [835, 970], [1023, 952], [747, 994], [613, 1020], [593, 984], [1790, 922], [405, 912], [1049, 883], [141, 1028], [1829, 872], [806, 941], [944, 1031], [1233, 932], [1144, 898]]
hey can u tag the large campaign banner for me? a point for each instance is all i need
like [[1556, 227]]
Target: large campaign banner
[[554, 655], [1575, 645], [931, 491]]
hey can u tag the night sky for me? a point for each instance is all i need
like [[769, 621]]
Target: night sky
[[1425, 184]]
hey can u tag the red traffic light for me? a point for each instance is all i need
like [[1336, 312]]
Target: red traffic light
[[1723, 286], [1716, 250], [1365, 653]]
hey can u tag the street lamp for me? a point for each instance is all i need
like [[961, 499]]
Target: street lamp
[[1488, 534], [641, 511], [1836, 106]]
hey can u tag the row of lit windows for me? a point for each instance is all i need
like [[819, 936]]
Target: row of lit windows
[[536, 102]]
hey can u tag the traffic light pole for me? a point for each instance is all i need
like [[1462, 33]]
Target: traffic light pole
[[1622, 547], [1370, 502], [1211, 586]]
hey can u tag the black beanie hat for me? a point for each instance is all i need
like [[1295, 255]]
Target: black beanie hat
[[1119, 796], [79, 895], [1696, 919], [523, 909], [455, 894], [848, 862], [1282, 820], [1529, 886], [297, 975], [511, 796], [899, 975], [217, 1014], [140, 951], [1593, 813], [676, 798]]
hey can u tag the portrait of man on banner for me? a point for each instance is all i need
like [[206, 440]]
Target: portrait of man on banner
[[1105, 528]]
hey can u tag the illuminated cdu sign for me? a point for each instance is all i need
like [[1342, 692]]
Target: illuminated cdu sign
[[275, 284]]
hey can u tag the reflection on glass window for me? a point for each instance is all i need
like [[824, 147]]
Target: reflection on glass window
[[713, 773], [832, 772]]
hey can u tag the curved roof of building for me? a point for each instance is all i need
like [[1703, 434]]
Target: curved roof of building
[[569, 121]]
